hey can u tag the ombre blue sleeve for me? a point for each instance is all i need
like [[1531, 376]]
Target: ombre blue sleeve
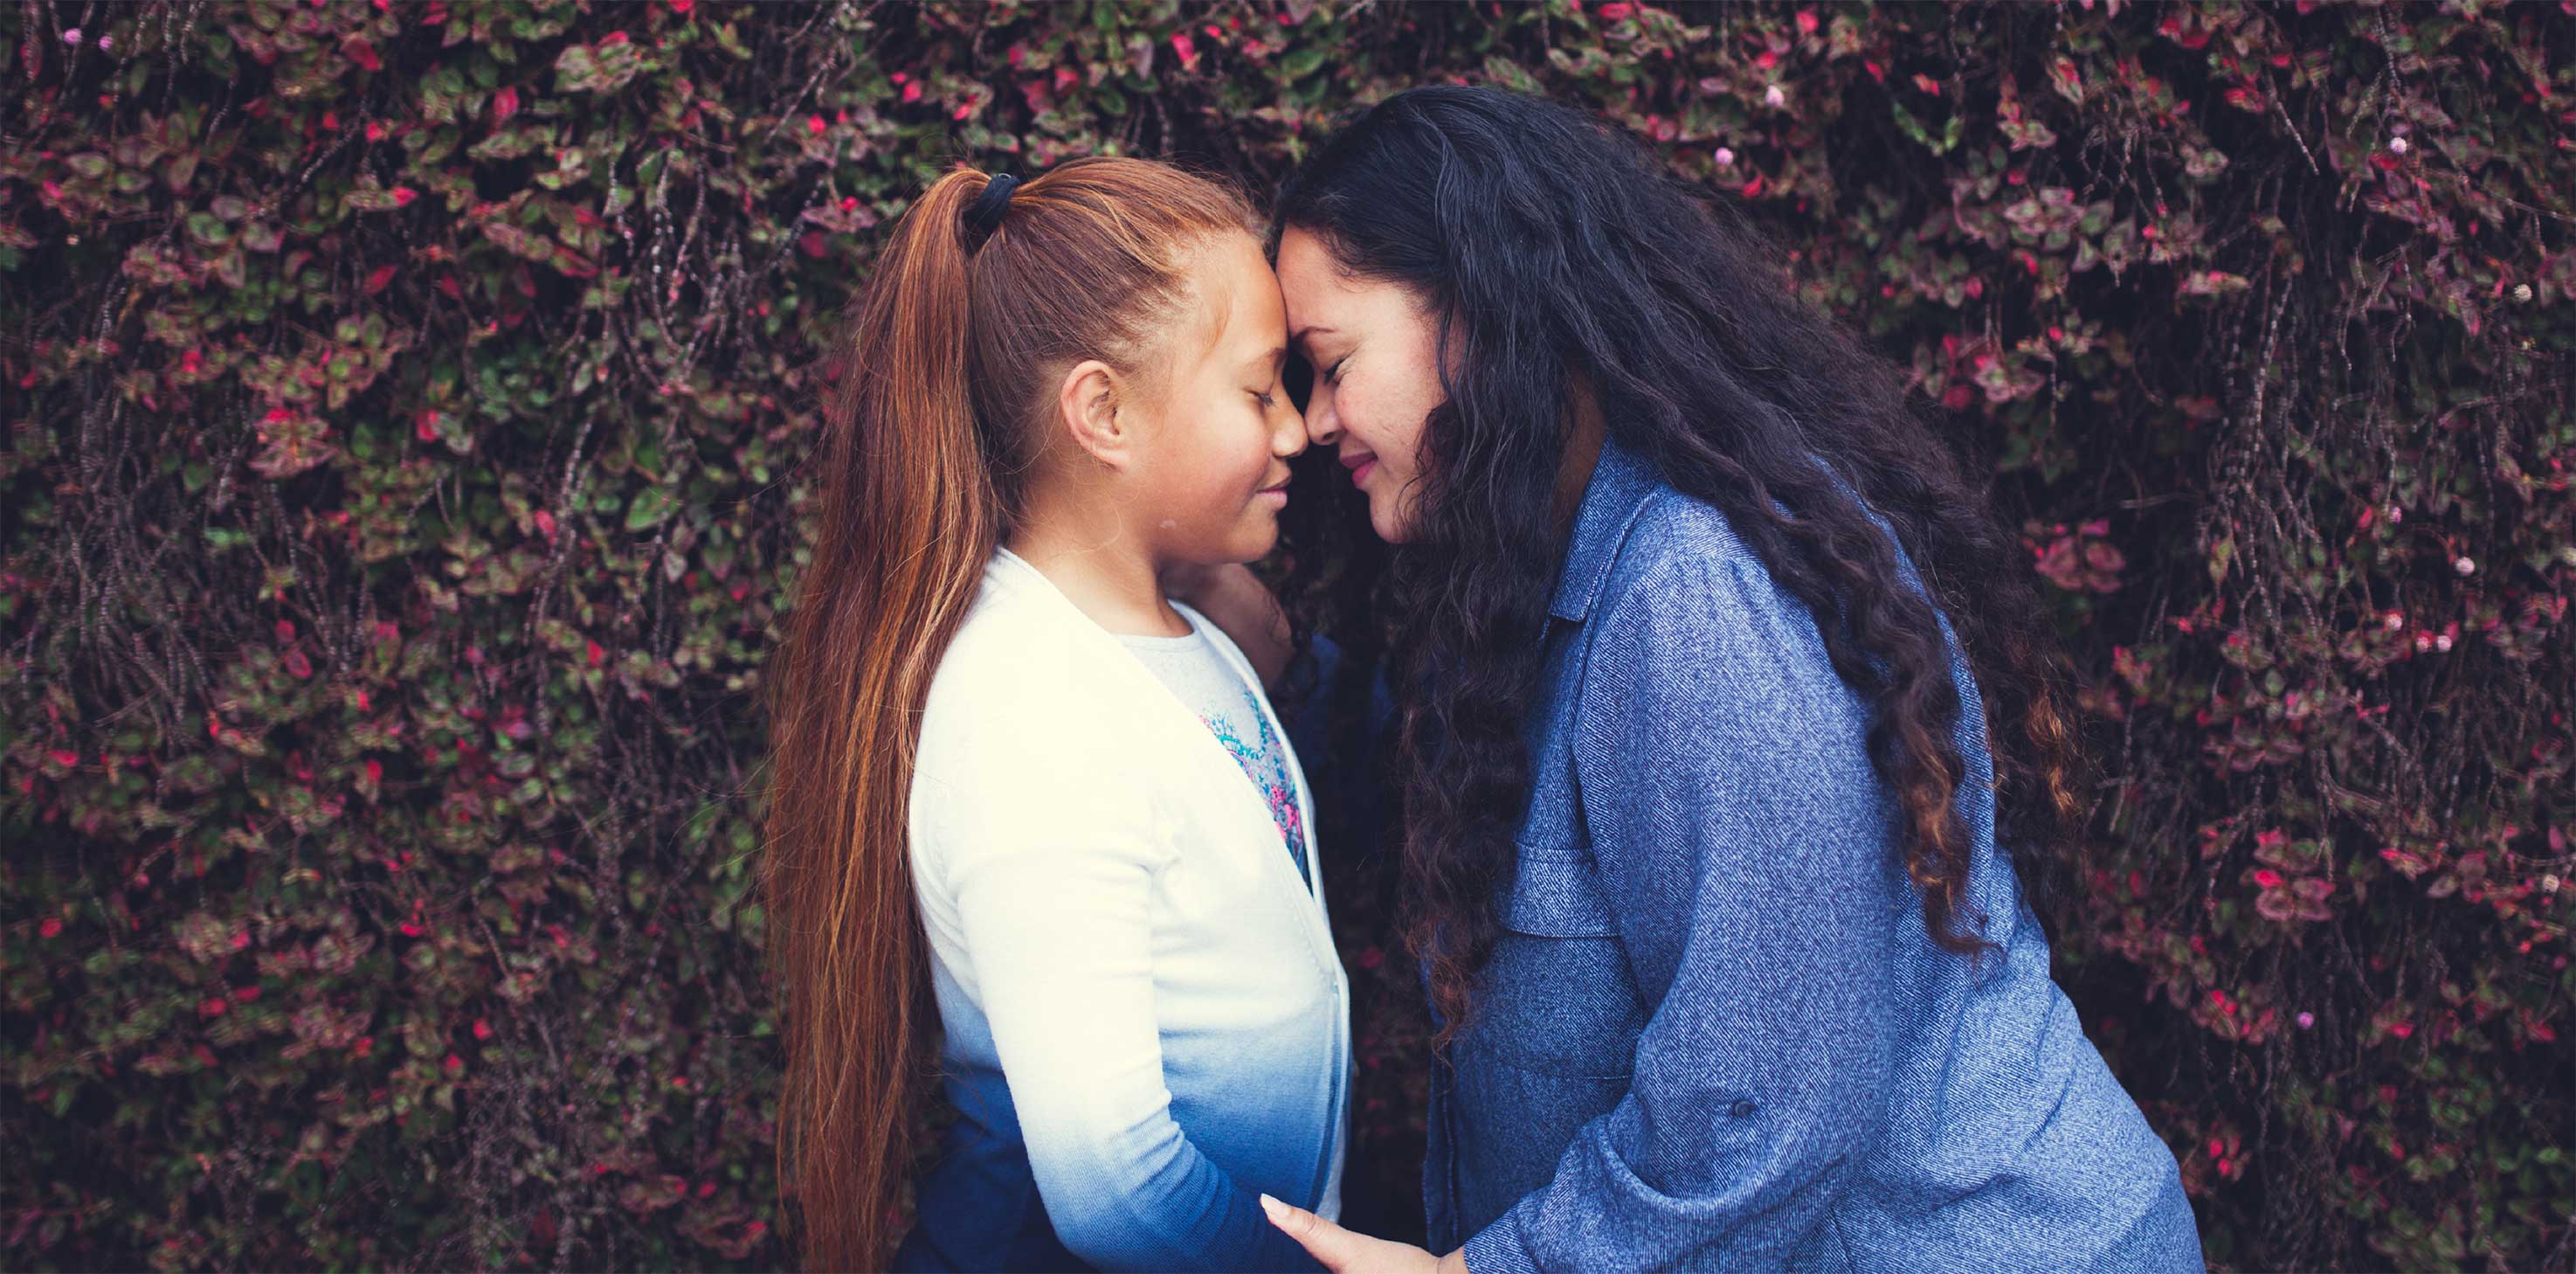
[[1053, 887]]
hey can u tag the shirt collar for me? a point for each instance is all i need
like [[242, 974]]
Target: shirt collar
[[1620, 482]]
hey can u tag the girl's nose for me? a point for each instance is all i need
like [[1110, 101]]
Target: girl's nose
[[1289, 438]]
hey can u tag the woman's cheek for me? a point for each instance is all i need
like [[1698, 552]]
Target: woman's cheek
[[1383, 431]]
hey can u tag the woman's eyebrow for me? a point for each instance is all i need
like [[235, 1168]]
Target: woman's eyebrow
[[1299, 340]]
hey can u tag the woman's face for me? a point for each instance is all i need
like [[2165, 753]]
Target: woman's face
[[1371, 347]]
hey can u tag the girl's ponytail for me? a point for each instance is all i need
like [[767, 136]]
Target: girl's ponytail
[[908, 520]]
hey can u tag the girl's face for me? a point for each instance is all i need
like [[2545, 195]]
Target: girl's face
[[1371, 346], [1212, 474]]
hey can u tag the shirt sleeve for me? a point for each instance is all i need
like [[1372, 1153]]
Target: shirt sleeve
[[1053, 882], [1742, 837]]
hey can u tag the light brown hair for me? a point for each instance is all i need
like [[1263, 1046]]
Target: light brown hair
[[930, 432]]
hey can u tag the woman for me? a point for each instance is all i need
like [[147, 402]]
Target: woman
[[1702, 802], [1020, 786]]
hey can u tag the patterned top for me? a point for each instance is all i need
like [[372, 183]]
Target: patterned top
[[1266, 764], [1212, 689]]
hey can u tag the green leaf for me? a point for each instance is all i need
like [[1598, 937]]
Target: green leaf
[[649, 507]]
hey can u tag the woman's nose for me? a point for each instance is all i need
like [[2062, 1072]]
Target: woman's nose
[[1323, 426]]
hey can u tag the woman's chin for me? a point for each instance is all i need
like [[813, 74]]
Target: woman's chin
[[1386, 526]]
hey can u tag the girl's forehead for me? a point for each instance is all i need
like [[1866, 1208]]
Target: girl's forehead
[[1238, 299]]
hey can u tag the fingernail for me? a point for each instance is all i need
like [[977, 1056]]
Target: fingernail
[[1270, 1206]]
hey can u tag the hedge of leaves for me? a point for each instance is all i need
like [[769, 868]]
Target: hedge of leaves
[[405, 404]]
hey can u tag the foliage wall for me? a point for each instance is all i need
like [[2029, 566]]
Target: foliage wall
[[400, 493]]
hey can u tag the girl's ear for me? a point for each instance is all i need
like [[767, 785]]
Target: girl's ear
[[1086, 409]]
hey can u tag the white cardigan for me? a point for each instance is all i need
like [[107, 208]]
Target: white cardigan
[[1128, 967]]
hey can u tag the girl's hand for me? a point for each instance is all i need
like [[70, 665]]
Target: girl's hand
[[1346, 1253]]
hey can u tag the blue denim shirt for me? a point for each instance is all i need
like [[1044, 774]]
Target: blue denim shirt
[[1714, 1033]]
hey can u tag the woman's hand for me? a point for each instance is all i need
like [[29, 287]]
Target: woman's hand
[[1239, 604], [1346, 1253]]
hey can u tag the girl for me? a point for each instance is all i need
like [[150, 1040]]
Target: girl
[[1011, 775], [1703, 807]]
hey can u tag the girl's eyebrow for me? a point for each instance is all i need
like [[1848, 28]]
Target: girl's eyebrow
[[1272, 359]]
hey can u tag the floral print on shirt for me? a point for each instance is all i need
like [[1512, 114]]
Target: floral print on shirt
[[1266, 764]]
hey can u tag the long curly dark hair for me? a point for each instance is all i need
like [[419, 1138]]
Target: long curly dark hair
[[1553, 246]]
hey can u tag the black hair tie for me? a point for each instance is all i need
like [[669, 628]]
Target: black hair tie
[[984, 216]]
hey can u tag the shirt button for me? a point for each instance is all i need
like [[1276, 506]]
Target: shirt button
[[1743, 1106]]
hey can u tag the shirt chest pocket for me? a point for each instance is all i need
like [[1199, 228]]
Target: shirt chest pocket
[[1557, 994]]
